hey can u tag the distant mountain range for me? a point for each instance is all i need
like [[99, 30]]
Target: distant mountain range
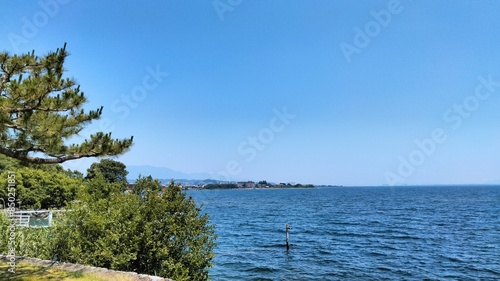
[[162, 173]]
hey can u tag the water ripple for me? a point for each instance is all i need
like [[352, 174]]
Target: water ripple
[[361, 233]]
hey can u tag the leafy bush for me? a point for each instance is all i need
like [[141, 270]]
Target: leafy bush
[[112, 171], [30, 242], [37, 188], [153, 230]]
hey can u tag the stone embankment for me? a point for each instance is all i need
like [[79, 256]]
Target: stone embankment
[[101, 272]]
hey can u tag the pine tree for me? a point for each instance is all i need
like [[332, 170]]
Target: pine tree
[[40, 110]]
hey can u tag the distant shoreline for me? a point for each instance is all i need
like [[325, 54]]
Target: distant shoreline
[[255, 188], [247, 185]]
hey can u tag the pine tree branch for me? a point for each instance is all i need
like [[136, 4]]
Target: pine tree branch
[[15, 127], [42, 110], [33, 108], [21, 155], [5, 79], [56, 159]]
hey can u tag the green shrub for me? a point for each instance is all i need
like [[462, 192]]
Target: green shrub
[[41, 188], [153, 230], [30, 242]]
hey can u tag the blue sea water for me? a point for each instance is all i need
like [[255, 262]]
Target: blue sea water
[[356, 233]]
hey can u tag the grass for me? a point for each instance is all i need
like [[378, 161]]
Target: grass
[[29, 272]]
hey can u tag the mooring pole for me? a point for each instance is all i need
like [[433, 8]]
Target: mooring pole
[[287, 227]]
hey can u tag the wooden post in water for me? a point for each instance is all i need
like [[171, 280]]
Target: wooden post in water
[[287, 245]]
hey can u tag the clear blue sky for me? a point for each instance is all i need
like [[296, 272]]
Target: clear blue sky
[[325, 92]]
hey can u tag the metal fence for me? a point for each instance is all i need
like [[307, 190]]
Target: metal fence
[[36, 218]]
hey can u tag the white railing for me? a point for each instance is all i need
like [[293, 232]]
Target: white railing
[[33, 218]]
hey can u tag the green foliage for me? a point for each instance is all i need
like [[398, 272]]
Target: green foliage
[[74, 174], [4, 232], [99, 188], [177, 239], [298, 185], [221, 186], [7, 163], [30, 242], [154, 230], [101, 232], [40, 110], [146, 185], [158, 229], [112, 171], [34, 242], [46, 188]]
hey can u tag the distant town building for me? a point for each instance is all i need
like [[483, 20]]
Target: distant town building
[[245, 184]]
